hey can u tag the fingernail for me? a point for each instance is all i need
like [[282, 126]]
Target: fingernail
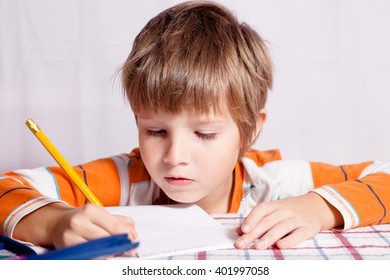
[[240, 242], [260, 244], [245, 227]]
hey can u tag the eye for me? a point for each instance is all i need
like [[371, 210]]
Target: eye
[[206, 136], [158, 132]]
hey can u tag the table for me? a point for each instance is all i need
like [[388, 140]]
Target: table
[[368, 243], [365, 243]]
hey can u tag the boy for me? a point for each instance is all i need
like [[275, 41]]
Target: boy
[[197, 82]]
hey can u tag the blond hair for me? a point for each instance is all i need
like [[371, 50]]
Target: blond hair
[[197, 55]]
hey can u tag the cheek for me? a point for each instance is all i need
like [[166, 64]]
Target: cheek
[[149, 152], [223, 156], [231, 145]]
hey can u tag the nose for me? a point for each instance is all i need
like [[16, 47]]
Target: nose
[[177, 152]]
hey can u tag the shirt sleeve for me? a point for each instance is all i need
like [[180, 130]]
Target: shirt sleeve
[[360, 192], [26, 190]]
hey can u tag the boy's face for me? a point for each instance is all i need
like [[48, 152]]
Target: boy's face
[[191, 156]]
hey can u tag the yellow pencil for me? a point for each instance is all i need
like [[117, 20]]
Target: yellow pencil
[[62, 162]]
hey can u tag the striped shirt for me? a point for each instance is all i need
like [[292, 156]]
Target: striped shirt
[[361, 192]]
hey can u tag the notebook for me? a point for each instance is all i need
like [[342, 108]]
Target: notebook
[[92, 249], [175, 229]]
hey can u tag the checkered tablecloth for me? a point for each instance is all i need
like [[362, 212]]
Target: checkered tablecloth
[[369, 243]]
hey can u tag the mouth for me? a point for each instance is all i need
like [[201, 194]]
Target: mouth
[[178, 181]]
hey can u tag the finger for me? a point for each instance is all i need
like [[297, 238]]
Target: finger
[[239, 231], [266, 224], [115, 224], [93, 222], [256, 215], [277, 232], [294, 238], [125, 225], [89, 230], [77, 227]]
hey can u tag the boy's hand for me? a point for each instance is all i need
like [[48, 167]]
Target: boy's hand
[[59, 225], [81, 224], [287, 222]]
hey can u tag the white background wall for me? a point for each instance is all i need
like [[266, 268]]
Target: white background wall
[[58, 61]]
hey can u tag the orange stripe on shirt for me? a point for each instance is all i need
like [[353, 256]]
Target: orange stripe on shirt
[[324, 174], [101, 177], [260, 158], [369, 197]]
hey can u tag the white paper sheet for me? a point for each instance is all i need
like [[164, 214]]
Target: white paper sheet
[[175, 229]]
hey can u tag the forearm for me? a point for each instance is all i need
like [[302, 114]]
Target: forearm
[[38, 227], [328, 214]]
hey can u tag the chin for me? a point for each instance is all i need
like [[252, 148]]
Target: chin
[[187, 199]]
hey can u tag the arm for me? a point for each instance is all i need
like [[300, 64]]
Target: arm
[[33, 207], [339, 194], [362, 198], [58, 225], [287, 222]]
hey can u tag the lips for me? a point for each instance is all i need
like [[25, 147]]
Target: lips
[[179, 181]]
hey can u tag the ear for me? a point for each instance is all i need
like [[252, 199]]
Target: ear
[[259, 125], [261, 121]]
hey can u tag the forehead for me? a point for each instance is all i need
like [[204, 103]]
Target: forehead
[[191, 116]]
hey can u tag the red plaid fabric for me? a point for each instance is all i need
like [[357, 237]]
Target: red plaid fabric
[[365, 243]]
